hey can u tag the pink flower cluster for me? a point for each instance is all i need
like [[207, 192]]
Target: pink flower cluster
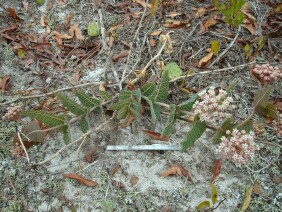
[[213, 106], [17, 150], [277, 126], [12, 113], [239, 147], [266, 73]]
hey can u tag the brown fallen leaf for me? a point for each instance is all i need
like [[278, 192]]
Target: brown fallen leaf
[[80, 179], [74, 31], [277, 179], [216, 170], [115, 169], [119, 185], [184, 172], [127, 19], [176, 23], [25, 5], [134, 180], [156, 33], [42, 21], [4, 81], [90, 155], [173, 170], [122, 54], [205, 59], [13, 13], [257, 188], [156, 136], [49, 5]]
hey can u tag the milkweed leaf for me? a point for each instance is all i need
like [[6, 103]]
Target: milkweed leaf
[[84, 123], [87, 100], [171, 119], [204, 204], [105, 95], [163, 86], [152, 109], [121, 104], [148, 89], [197, 130], [46, 118], [188, 104], [71, 105]]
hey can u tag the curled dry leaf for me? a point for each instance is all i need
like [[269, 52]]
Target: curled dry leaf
[[80, 179], [205, 59], [115, 169], [216, 170], [119, 185], [134, 180], [122, 54], [257, 188], [156, 136], [75, 32], [174, 170], [4, 81], [90, 154]]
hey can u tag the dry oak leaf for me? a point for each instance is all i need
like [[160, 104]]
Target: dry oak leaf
[[134, 180], [3, 82], [156, 136], [205, 59], [74, 31], [122, 54], [174, 170], [80, 179], [216, 170]]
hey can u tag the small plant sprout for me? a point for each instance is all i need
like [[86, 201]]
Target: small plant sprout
[[238, 146], [207, 203]]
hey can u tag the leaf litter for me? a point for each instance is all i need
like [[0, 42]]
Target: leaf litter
[[64, 47]]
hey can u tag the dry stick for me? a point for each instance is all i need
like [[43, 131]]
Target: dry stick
[[20, 139], [130, 50], [99, 128], [226, 50], [51, 93], [212, 71], [143, 72], [105, 47]]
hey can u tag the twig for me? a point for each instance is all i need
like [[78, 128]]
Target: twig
[[130, 50], [226, 50], [212, 71], [143, 72], [105, 47], [51, 93], [270, 143], [20, 139], [99, 128]]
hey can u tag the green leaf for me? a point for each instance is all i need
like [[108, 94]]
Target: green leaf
[[134, 112], [171, 119], [84, 123], [93, 29], [231, 87], [137, 94], [272, 111], [227, 124], [125, 94], [87, 100], [261, 101], [67, 136], [148, 89], [247, 126], [203, 204], [173, 69], [21, 53], [188, 104], [121, 104], [71, 105], [162, 90], [214, 193], [157, 110], [197, 130], [136, 105], [105, 95], [122, 113], [215, 46], [260, 42], [152, 109], [46, 118]]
